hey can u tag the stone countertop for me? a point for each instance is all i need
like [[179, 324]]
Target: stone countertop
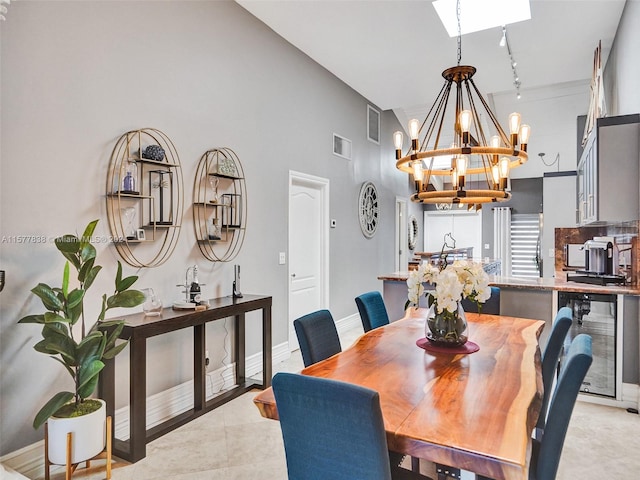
[[537, 284]]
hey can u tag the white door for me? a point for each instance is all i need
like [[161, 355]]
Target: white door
[[308, 247]]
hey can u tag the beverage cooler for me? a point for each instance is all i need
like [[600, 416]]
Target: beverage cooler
[[595, 314]]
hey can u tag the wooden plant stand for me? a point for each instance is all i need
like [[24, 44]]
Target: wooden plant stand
[[71, 467]]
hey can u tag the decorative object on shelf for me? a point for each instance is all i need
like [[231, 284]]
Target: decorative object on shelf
[[446, 323], [152, 305], [161, 187], [226, 166], [214, 230], [81, 351], [154, 189], [129, 214], [368, 210], [130, 178], [236, 282], [214, 182], [219, 205], [472, 155], [413, 232], [153, 152]]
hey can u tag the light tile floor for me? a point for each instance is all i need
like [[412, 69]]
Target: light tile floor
[[234, 442]]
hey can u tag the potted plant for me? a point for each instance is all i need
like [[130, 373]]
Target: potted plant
[[82, 352]]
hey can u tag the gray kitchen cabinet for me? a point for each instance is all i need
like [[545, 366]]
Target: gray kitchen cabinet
[[608, 175]]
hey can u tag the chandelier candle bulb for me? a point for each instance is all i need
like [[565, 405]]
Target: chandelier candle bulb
[[414, 131], [397, 141], [504, 172], [495, 173], [465, 125], [525, 132], [514, 127]]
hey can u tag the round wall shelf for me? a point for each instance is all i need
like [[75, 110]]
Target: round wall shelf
[[219, 205], [145, 197]]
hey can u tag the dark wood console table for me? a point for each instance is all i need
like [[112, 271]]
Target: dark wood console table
[[138, 328]]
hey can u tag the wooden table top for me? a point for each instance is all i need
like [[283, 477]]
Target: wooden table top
[[474, 412]]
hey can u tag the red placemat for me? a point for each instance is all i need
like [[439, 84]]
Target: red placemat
[[468, 347]]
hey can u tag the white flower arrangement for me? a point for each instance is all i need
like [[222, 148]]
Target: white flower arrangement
[[462, 279]]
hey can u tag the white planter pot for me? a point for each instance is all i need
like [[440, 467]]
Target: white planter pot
[[89, 436]]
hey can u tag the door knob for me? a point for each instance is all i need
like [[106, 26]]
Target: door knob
[[293, 275]]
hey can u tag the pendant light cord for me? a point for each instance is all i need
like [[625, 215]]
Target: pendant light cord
[[459, 32]]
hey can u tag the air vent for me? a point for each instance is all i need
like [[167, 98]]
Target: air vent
[[341, 146], [373, 125]]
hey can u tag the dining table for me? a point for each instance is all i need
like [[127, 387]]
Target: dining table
[[473, 411]]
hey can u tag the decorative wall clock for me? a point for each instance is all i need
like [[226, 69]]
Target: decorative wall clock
[[413, 232], [368, 209]]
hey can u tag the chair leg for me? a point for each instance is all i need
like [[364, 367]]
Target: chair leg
[[69, 445]]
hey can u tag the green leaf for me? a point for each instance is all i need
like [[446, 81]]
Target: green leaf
[[73, 258], [51, 317], [118, 275], [88, 377], [90, 348], [91, 276], [111, 353], [75, 298], [32, 319], [51, 407], [88, 231], [87, 252], [126, 299], [68, 244], [85, 269], [49, 298], [65, 279], [57, 342], [126, 283]]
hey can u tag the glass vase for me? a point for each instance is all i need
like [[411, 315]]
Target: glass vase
[[446, 329]]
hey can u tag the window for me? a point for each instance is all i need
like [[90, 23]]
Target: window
[[525, 242]]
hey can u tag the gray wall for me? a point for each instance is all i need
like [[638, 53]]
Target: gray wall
[[77, 75]]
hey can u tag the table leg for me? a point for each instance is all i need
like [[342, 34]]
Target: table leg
[[240, 349], [138, 399], [199, 368], [266, 348]]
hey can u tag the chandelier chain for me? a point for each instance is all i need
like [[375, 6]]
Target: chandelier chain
[[459, 32]]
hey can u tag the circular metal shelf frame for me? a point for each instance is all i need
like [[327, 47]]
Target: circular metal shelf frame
[[157, 191], [219, 195]]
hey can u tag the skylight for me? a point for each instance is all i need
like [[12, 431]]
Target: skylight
[[476, 15]]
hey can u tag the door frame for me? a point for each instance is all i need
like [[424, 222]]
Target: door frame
[[322, 185], [401, 242]]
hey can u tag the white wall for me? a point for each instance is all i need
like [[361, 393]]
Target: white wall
[[77, 75], [623, 66]]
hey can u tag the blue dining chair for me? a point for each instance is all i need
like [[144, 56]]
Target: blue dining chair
[[373, 312], [545, 456], [550, 357], [546, 452], [491, 306], [317, 336], [333, 430]]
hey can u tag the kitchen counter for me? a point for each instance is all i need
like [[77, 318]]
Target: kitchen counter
[[537, 284]]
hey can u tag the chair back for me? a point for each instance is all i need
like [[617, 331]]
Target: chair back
[[491, 306], [317, 336], [547, 452], [373, 312], [331, 429], [550, 358]]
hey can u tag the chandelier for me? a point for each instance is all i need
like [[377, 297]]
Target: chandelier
[[476, 166]]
